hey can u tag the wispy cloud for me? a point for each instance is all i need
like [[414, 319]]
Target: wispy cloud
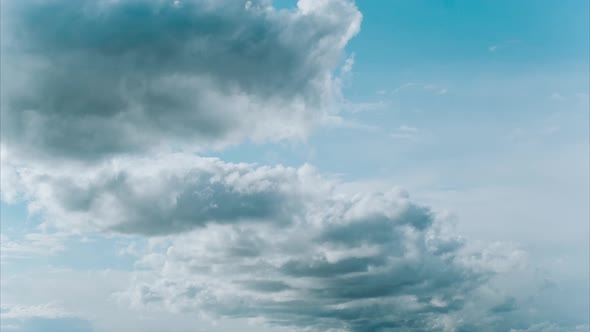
[[358, 107], [406, 133], [557, 96], [432, 88], [32, 244], [22, 312], [503, 45]]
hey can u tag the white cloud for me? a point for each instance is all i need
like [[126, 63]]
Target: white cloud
[[437, 90], [23, 312], [550, 327], [166, 194], [9, 327], [32, 244], [503, 45], [405, 132], [358, 264], [356, 107], [280, 244], [347, 67]]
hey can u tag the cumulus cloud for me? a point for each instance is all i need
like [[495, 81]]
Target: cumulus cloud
[[89, 79], [281, 244], [164, 195], [366, 262]]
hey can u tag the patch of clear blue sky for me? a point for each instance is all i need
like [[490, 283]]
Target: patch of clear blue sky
[[498, 61], [459, 33], [15, 218]]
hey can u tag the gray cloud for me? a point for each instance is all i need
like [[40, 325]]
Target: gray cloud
[[165, 195], [276, 243], [296, 280], [95, 78], [280, 244], [506, 306]]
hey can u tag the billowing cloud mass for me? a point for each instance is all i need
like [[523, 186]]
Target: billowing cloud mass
[[89, 79], [275, 243], [171, 194]]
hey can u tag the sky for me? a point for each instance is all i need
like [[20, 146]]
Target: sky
[[311, 165]]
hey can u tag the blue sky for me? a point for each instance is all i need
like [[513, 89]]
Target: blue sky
[[478, 109]]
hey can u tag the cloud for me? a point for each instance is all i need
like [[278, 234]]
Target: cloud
[[280, 244], [164, 195], [549, 327], [32, 244], [50, 325], [366, 262], [49, 311], [358, 107], [321, 257], [128, 76], [503, 45], [434, 89], [406, 133]]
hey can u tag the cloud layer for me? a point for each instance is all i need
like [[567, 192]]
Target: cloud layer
[[89, 79]]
